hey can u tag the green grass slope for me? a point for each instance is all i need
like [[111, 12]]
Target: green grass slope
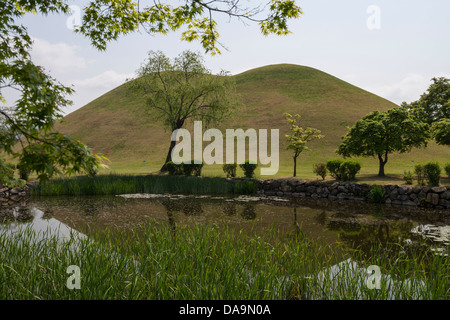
[[120, 124]]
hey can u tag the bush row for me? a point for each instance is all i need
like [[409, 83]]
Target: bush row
[[247, 167], [426, 174], [338, 169], [186, 169]]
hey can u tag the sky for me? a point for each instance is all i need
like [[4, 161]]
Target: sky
[[390, 48]]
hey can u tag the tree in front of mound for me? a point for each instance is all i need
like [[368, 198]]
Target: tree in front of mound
[[299, 138], [184, 89], [379, 134]]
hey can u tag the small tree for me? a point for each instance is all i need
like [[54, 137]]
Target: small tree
[[299, 138], [381, 133], [320, 169]]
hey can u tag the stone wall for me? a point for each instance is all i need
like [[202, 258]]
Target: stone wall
[[432, 197], [12, 196]]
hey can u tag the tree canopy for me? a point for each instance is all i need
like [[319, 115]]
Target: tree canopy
[[382, 133], [441, 132], [434, 104], [299, 138], [106, 20]]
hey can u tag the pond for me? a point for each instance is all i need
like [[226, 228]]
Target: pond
[[353, 224]]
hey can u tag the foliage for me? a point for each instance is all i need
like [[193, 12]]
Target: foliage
[[432, 171], [376, 194], [299, 138], [41, 98], [419, 170], [197, 169], [244, 187], [106, 20], [174, 169], [333, 167], [320, 169], [230, 169], [447, 169], [248, 168], [441, 132], [433, 105], [381, 133], [408, 177], [349, 169]]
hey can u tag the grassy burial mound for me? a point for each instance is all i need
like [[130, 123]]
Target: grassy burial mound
[[119, 124]]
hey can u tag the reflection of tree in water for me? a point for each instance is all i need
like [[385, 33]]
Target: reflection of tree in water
[[24, 214], [229, 209], [21, 214], [249, 212], [90, 209], [359, 235], [321, 218]]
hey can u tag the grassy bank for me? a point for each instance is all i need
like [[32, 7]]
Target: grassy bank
[[207, 262], [109, 184]]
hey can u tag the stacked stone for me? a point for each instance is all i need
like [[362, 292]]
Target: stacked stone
[[436, 197], [12, 196]]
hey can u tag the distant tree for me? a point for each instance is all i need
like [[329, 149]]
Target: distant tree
[[299, 138], [441, 132], [382, 133], [184, 89], [433, 105]]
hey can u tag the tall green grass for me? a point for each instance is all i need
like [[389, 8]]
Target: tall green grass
[[122, 184], [205, 261]]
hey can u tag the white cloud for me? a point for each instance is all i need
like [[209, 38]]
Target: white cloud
[[106, 80], [408, 89], [59, 58]]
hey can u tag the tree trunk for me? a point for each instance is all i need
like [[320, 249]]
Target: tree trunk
[[178, 125], [169, 156], [295, 166], [382, 164]]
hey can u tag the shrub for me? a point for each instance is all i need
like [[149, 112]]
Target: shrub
[[197, 169], [376, 194], [447, 169], [186, 168], [174, 169], [6, 173], [420, 174], [432, 172], [333, 167], [230, 169], [249, 168], [349, 169], [320, 169], [408, 177], [244, 187]]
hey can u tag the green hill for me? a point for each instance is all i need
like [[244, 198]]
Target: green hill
[[120, 125]]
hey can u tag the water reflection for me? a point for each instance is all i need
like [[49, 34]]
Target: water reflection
[[357, 225]]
